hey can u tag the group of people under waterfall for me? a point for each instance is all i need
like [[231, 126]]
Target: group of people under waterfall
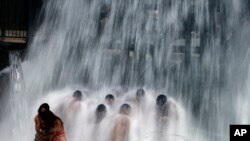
[[49, 127]]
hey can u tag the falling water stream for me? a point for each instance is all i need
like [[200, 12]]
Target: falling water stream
[[194, 51]]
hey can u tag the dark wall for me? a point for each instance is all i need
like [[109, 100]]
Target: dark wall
[[4, 89], [4, 59], [17, 19], [14, 16], [248, 6], [18, 16]]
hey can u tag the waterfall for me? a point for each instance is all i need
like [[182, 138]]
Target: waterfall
[[194, 51]]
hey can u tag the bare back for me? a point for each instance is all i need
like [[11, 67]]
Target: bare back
[[121, 129]]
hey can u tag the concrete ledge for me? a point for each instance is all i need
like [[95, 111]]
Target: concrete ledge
[[13, 40]]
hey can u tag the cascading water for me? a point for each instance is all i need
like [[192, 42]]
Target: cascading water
[[195, 51]]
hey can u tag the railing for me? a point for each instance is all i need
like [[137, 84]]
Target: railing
[[17, 17], [14, 18]]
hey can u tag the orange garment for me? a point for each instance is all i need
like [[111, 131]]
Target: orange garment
[[41, 133], [58, 131], [55, 133]]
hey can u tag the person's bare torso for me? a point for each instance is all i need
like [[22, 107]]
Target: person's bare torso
[[121, 129]]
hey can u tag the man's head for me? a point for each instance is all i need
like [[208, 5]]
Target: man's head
[[109, 99], [77, 95], [125, 109], [161, 100], [100, 112], [140, 94], [101, 108]]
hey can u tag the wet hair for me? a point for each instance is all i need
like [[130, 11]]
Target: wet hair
[[43, 106], [101, 108], [47, 116], [140, 93], [100, 112], [78, 95], [161, 100], [125, 107], [110, 96]]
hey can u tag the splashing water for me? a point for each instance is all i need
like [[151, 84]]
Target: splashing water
[[81, 124], [195, 51]]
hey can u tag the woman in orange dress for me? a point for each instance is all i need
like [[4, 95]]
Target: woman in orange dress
[[49, 127]]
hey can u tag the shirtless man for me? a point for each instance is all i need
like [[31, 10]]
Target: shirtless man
[[100, 113], [77, 98], [71, 104], [109, 100], [140, 98], [48, 126], [122, 124], [165, 110]]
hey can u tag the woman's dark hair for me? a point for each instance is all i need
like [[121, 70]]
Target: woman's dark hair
[[44, 106], [47, 116]]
